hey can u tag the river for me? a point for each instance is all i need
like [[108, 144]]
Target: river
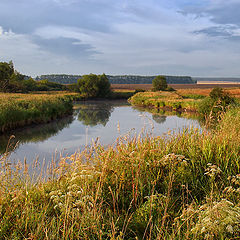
[[92, 121]]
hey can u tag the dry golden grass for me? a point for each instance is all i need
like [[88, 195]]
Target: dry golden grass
[[183, 89], [175, 86], [234, 92], [21, 96]]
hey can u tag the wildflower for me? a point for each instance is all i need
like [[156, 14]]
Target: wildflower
[[212, 171]]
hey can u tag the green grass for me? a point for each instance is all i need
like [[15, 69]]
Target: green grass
[[171, 100], [179, 186], [18, 110]]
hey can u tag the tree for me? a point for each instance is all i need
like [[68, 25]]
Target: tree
[[30, 84], [103, 86], [94, 86], [6, 72], [159, 83], [88, 85]]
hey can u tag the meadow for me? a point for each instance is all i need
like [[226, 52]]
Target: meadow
[[183, 89], [182, 99], [183, 185], [167, 100], [17, 110]]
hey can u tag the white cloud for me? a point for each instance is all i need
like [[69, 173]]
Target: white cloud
[[130, 36]]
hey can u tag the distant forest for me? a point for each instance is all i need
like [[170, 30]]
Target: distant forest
[[119, 79]]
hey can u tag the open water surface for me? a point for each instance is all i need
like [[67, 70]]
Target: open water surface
[[101, 121]]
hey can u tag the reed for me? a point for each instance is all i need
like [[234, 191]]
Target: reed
[[183, 185]]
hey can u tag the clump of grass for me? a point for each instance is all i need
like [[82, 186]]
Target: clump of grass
[[178, 186]]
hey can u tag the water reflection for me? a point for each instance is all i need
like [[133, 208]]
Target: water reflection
[[34, 133], [160, 113], [159, 118], [94, 114], [102, 120]]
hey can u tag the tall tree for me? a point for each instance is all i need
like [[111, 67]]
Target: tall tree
[[159, 83]]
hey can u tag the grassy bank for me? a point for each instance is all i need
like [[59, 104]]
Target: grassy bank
[[168, 100], [18, 110], [179, 186]]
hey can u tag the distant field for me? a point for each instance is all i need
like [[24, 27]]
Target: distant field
[[201, 89], [176, 86], [217, 82]]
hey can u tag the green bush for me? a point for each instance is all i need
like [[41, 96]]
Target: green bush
[[213, 106]]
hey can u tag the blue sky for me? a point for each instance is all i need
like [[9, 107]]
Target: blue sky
[[177, 37]]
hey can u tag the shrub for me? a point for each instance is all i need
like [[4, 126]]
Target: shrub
[[213, 106]]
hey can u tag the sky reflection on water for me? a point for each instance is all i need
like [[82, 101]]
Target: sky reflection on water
[[105, 121]]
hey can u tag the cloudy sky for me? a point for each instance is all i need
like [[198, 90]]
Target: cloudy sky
[[176, 37]]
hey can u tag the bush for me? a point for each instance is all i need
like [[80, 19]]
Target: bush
[[211, 107]]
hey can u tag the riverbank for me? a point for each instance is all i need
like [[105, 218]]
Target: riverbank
[[183, 186], [17, 110], [167, 100]]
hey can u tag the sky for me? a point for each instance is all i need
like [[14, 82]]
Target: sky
[[146, 37]]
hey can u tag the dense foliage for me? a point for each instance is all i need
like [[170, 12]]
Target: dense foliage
[[94, 85], [12, 81]]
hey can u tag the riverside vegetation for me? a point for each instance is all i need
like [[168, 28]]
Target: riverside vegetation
[[17, 110], [179, 186]]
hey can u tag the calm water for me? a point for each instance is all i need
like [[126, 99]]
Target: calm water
[[105, 121]]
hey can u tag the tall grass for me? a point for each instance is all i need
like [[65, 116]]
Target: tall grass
[[23, 109], [170, 100], [179, 186]]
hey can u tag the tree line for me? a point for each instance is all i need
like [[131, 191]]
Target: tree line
[[89, 86], [118, 79], [13, 81]]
